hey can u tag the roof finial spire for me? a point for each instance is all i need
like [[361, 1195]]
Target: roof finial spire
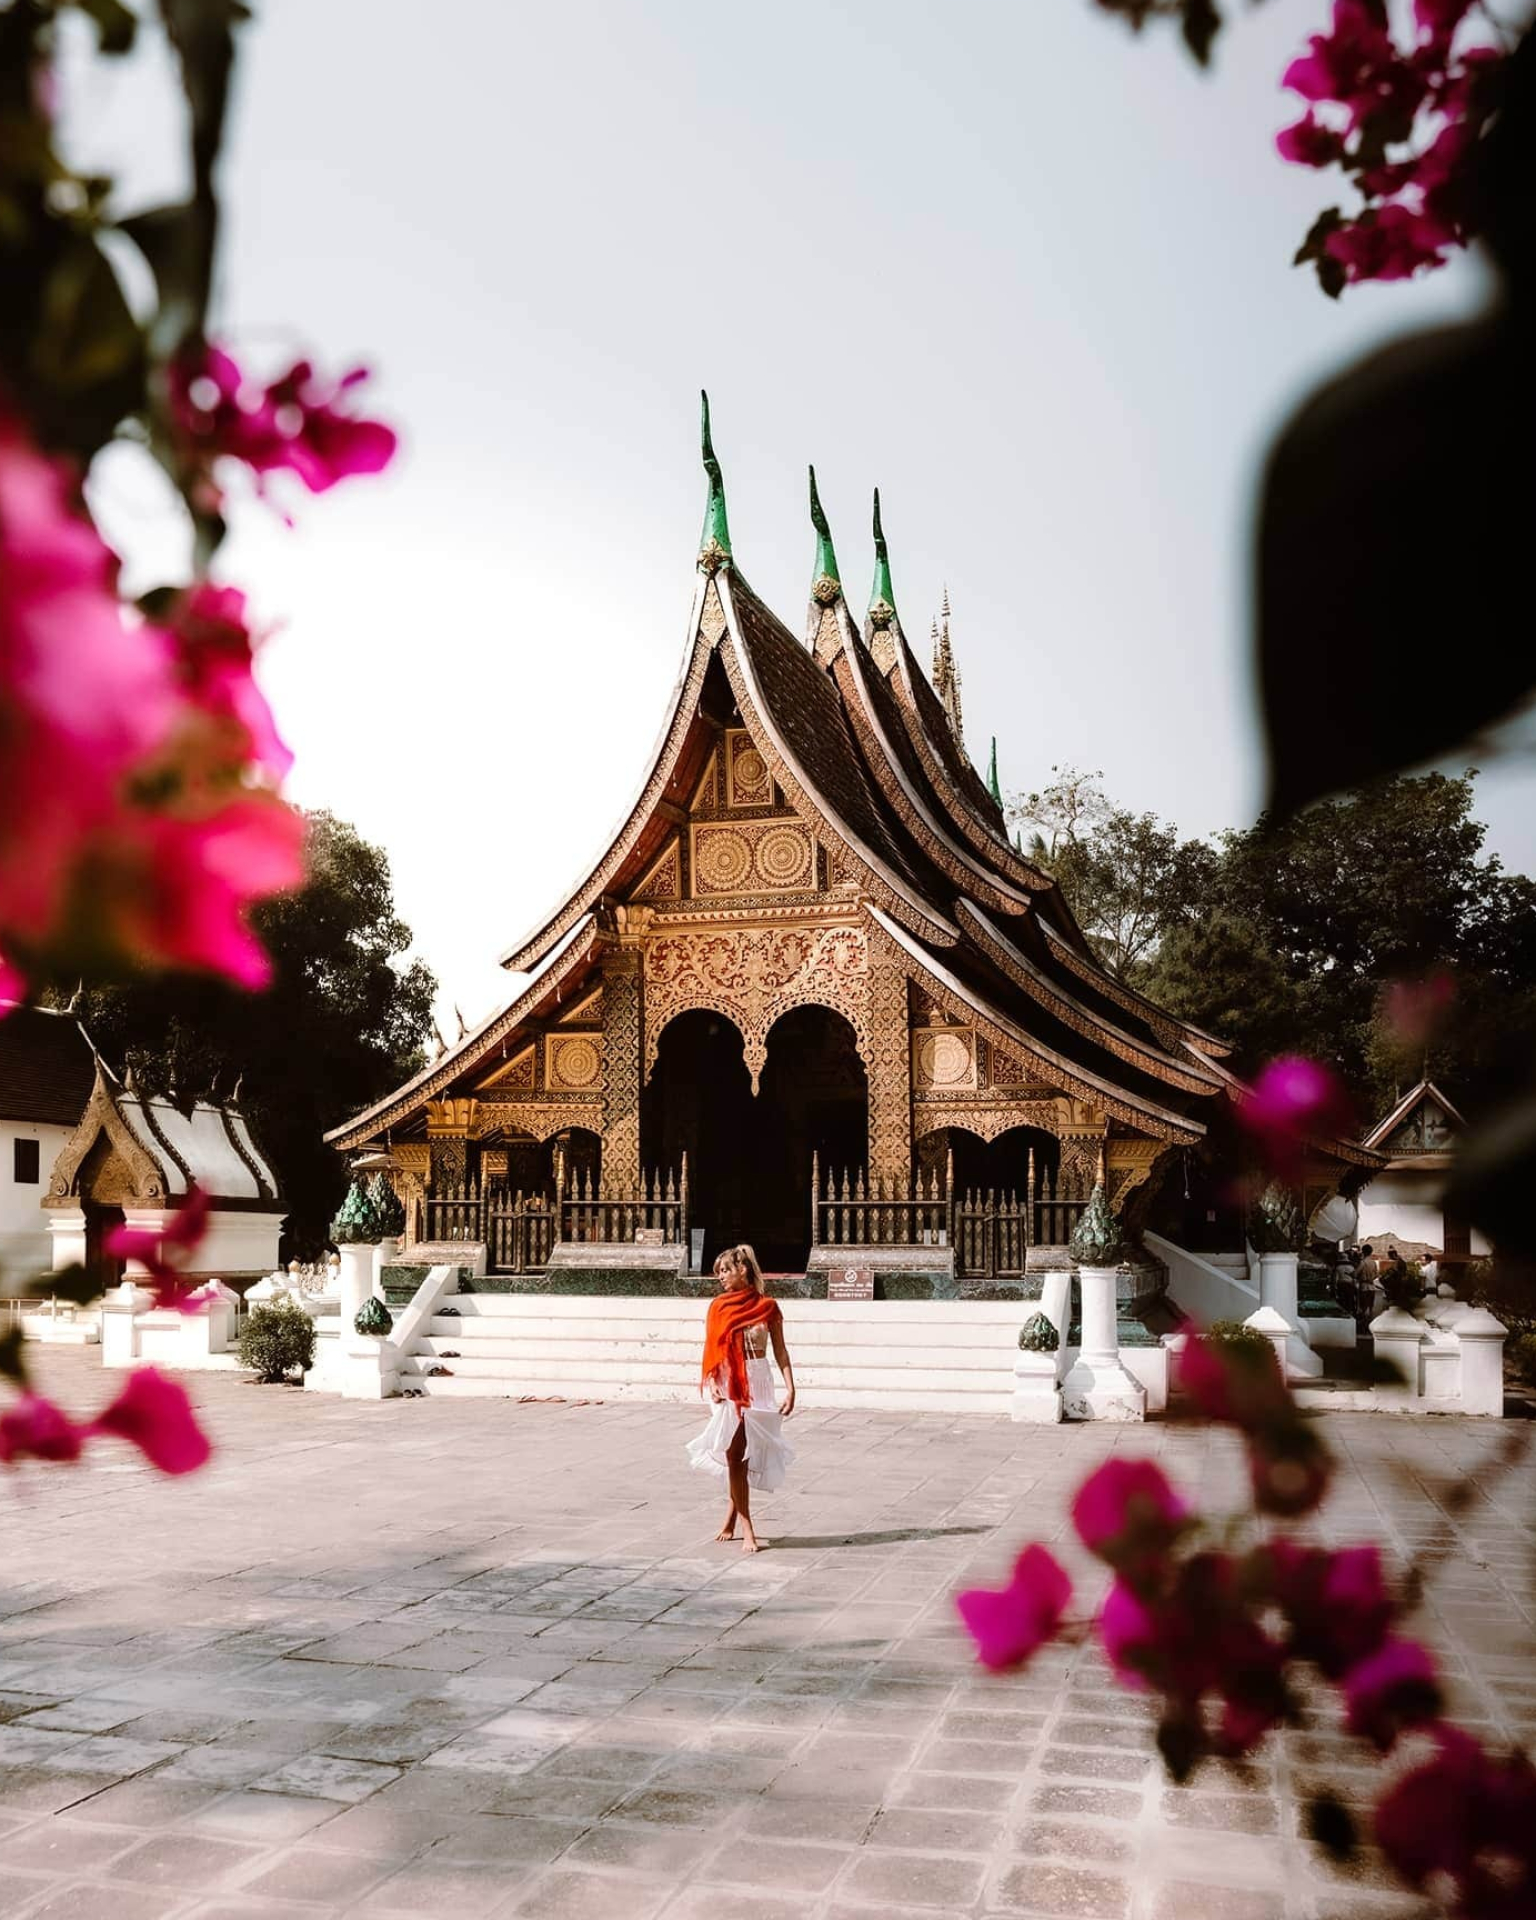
[[994, 787], [946, 676], [715, 542], [826, 582], [882, 599]]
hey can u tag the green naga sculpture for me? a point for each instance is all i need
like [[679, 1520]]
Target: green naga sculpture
[[1275, 1223], [373, 1319], [715, 542], [1039, 1334], [826, 584], [357, 1224], [387, 1207], [882, 597], [1097, 1239]]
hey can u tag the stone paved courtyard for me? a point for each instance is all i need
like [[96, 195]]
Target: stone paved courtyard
[[477, 1657]]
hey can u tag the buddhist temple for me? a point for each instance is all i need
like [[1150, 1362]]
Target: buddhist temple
[[809, 995]]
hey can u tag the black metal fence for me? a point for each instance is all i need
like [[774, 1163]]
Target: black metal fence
[[520, 1230]]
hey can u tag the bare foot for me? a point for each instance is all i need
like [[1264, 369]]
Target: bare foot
[[751, 1543], [728, 1531]]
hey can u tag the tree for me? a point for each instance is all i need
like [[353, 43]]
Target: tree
[[1127, 876], [342, 1022]]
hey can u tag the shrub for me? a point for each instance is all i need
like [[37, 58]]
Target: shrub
[[1232, 1333], [276, 1339], [1521, 1355]]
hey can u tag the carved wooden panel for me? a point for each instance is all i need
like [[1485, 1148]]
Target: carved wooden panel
[[585, 1011], [517, 1073], [712, 619], [754, 974], [943, 1058], [888, 1063], [747, 780], [1130, 1164], [538, 1119], [1005, 1071], [664, 880], [451, 1116], [753, 856], [620, 1066], [574, 1063]]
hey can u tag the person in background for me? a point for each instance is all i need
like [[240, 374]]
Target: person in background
[[1367, 1284]]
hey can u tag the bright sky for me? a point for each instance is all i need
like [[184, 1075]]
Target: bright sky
[[1025, 274]]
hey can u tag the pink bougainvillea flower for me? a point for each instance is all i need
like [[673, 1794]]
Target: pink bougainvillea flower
[[130, 832], [35, 1427], [1464, 1824], [156, 1415], [1357, 67], [1128, 1514], [1336, 1603], [1394, 1689], [164, 1253], [1011, 1623], [215, 650], [1292, 1100], [84, 694], [1391, 242], [1309, 143], [298, 423], [1238, 1384], [1438, 20]]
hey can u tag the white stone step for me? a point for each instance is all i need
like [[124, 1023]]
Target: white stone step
[[593, 1306], [893, 1400]]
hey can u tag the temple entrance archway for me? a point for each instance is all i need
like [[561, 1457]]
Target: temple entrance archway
[[1002, 1165], [749, 1158]]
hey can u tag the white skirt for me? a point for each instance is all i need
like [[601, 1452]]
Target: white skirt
[[768, 1453]]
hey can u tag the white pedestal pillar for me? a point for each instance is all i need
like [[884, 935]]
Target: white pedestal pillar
[[1482, 1361], [66, 1233], [1036, 1390], [356, 1285], [1397, 1337], [385, 1255], [1278, 1293], [1098, 1386], [119, 1323], [1056, 1305]]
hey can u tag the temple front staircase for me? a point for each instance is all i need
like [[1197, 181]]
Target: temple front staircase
[[931, 1356]]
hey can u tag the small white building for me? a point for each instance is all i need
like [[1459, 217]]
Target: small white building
[[1405, 1199], [46, 1072], [134, 1157]]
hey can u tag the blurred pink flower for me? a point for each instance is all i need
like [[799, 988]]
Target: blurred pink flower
[[1128, 1514], [1438, 20], [1356, 66], [297, 424], [156, 1415], [36, 1427], [215, 650], [1291, 1100], [1414, 1009], [1470, 1818], [1393, 1689], [1390, 242], [165, 1254], [1309, 143], [1336, 1603], [1289, 1468], [1011, 1623], [1240, 1385]]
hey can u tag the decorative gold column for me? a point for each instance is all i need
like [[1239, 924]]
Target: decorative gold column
[[451, 1125], [888, 1063], [621, 1068], [1081, 1129]]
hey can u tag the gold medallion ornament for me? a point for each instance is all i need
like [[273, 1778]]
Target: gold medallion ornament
[[784, 857], [723, 858], [575, 1063], [945, 1059]]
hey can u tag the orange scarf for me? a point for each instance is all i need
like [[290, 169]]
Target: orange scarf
[[729, 1314]]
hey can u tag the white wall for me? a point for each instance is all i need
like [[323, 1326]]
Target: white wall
[[1406, 1202], [24, 1244]]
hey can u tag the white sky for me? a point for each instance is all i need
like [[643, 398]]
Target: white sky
[[1029, 276]]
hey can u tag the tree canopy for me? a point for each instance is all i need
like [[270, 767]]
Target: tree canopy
[[1314, 934], [342, 1022]]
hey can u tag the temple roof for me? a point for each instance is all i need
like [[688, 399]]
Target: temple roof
[[47, 1065], [863, 750]]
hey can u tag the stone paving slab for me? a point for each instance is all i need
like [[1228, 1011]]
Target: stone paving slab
[[478, 1657]]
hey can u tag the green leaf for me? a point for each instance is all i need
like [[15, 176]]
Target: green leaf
[[1201, 24], [173, 243], [12, 1360], [76, 1284], [88, 336], [115, 25], [203, 34]]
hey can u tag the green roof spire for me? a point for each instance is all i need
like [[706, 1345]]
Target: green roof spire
[[827, 582], [882, 599], [992, 782], [715, 541]]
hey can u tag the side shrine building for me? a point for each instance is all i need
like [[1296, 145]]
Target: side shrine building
[[810, 995]]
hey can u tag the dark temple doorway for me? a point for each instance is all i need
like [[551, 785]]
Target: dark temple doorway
[[749, 1157]]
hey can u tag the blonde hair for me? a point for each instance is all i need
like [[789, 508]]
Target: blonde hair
[[742, 1255]]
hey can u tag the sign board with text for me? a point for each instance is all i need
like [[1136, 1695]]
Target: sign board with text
[[851, 1283], [650, 1237]]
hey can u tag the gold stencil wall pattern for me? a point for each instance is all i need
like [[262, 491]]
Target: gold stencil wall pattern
[[621, 1069], [753, 856]]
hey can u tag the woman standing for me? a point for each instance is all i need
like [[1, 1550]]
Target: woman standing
[[744, 1443]]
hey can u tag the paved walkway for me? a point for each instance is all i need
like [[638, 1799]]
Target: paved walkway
[[476, 1657]]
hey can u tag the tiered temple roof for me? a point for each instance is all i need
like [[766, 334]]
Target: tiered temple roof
[[862, 751]]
